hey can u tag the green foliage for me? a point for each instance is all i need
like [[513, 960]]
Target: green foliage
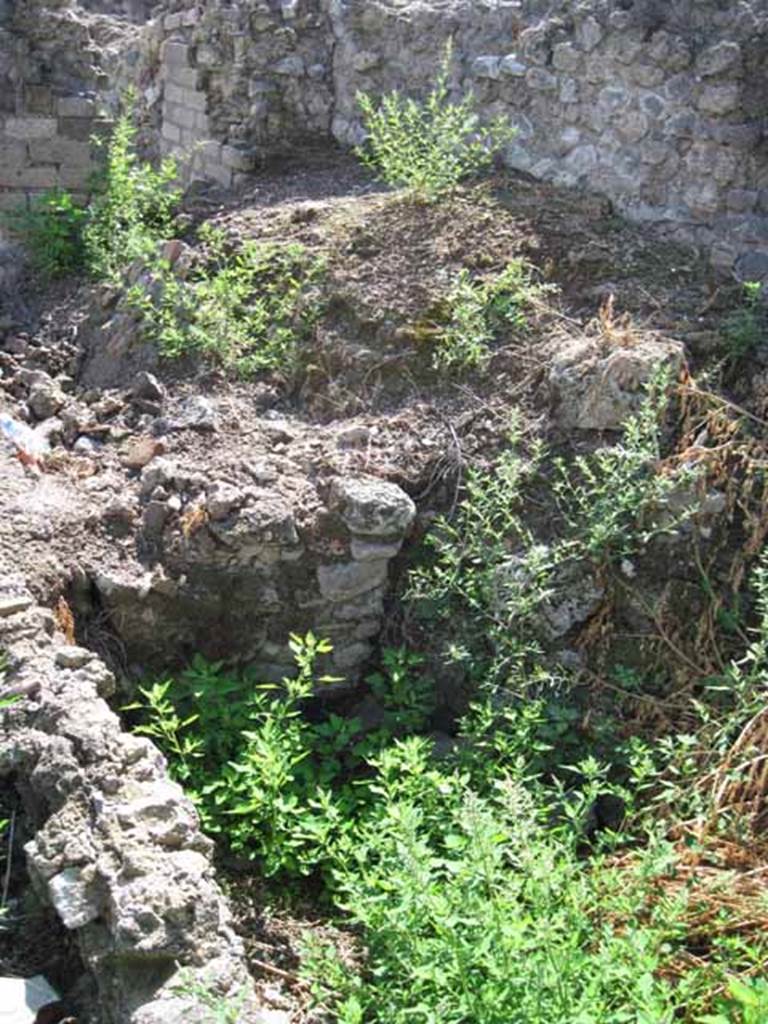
[[133, 209], [745, 327], [479, 310], [472, 910], [247, 306], [429, 147], [278, 787], [494, 580], [747, 1003], [52, 231]]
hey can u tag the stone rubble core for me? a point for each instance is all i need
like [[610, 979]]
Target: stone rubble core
[[232, 569], [117, 851], [657, 106]]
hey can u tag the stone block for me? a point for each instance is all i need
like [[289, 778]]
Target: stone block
[[77, 177], [14, 154], [84, 128], [512, 67], [565, 57], [486, 67], [202, 124], [76, 106], [632, 126], [208, 56], [220, 174], [178, 115], [290, 66], [717, 59], [31, 127], [372, 508], [540, 80], [170, 131], [589, 32], [239, 158], [343, 581], [29, 177], [60, 151], [185, 78], [569, 91], [176, 53], [38, 99], [365, 60], [719, 99], [172, 22]]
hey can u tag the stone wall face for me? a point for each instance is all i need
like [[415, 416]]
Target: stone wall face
[[658, 106], [52, 97]]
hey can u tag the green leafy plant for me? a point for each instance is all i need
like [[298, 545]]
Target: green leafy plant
[[247, 306], [478, 310], [497, 582], [429, 147], [133, 209], [746, 326], [747, 1003], [471, 911], [52, 232]]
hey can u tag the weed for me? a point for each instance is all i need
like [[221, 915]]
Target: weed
[[133, 210], [478, 310], [429, 147], [747, 1003], [52, 231], [745, 327], [247, 307]]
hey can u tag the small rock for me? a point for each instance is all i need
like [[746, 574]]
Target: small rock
[[354, 437], [512, 67], [154, 518], [45, 400], [486, 67], [148, 387], [71, 896], [196, 413], [86, 446], [223, 499], [22, 999], [373, 508], [141, 451], [13, 604], [72, 657]]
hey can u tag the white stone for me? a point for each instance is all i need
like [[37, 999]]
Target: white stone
[[511, 66], [72, 899], [486, 67], [22, 998]]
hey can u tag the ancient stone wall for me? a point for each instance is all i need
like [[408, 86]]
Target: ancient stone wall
[[56, 94], [117, 849], [658, 106]]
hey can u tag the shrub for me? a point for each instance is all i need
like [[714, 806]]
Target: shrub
[[428, 147], [133, 209], [247, 306], [746, 326], [276, 786], [478, 310], [472, 911], [52, 231]]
